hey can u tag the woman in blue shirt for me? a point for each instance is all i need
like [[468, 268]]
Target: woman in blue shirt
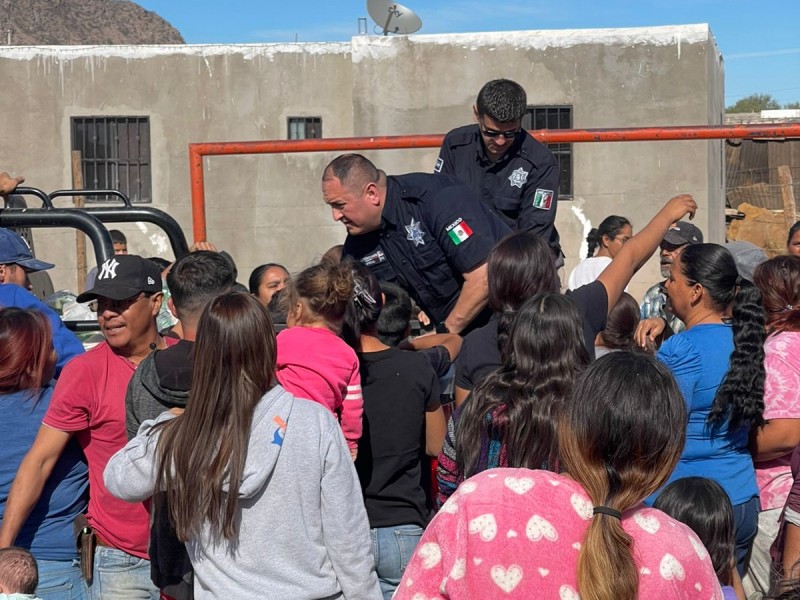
[[27, 365], [719, 365]]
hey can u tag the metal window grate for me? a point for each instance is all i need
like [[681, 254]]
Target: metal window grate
[[115, 154], [554, 117], [304, 128]]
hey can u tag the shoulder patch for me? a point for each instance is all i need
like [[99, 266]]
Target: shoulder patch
[[543, 199], [458, 231], [439, 165]]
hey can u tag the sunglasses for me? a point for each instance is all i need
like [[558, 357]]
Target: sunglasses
[[118, 306], [509, 135]]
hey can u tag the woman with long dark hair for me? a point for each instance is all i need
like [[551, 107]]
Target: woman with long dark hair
[[510, 418], [27, 365], [719, 365], [606, 239], [778, 280], [520, 533], [259, 484], [793, 240]]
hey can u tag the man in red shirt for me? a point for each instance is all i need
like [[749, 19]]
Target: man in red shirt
[[89, 403]]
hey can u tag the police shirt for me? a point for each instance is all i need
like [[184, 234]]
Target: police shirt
[[521, 187], [433, 229]]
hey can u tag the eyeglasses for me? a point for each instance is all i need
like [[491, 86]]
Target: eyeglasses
[[509, 135], [622, 238], [101, 305]]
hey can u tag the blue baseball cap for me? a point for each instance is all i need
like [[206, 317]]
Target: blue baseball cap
[[14, 250]]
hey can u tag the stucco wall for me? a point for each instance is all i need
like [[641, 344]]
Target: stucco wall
[[269, 208]]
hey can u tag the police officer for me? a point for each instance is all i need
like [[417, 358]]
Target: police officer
[[508, 169], [427, 233]]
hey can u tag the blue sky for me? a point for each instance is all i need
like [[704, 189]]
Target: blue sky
[[758, 40]]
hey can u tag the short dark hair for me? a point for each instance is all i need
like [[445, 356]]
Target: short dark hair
[[392, 325], [18, 571], [117, 237], [196, 278], [352, 170], [704, 506], [502, 100]]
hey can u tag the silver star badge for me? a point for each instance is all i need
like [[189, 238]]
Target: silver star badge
[[518, 178], [415, 233]]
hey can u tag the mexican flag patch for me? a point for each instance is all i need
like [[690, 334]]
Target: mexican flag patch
[[459, 231], [543, 199]]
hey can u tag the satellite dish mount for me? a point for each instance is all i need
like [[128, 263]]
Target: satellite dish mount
[[392, 17]]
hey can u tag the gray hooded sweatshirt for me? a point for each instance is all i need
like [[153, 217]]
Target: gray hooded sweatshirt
[[303, 533]]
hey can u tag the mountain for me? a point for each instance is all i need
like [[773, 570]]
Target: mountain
[[90, 22]]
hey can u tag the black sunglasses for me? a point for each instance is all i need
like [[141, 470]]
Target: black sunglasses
[[509, 135]]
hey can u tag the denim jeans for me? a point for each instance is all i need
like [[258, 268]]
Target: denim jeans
[[61, 580], [745, 527], [121, 576], [392, 548]]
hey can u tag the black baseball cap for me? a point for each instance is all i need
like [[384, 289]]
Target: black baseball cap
[[123, 276], [682, 233]]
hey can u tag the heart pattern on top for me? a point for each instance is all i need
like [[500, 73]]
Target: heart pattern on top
[[431, 554], [567, 592], [459, 569], [582, 506], [538, 528], [670, 568], [648, 523], [485, 525], [519, 485], [506, 579]]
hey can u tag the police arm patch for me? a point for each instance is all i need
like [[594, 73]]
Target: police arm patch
[[543, 199], [458, 231]]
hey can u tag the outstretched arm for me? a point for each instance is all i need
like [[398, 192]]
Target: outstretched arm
[[641, 246]]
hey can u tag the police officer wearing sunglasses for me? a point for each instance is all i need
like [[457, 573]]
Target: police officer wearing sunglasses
[[511, 172]]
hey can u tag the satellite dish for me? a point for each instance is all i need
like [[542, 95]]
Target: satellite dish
[[393, 18]]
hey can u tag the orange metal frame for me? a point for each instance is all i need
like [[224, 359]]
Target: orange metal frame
[[630, 134]]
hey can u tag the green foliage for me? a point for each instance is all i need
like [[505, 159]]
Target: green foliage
[[753, 103]]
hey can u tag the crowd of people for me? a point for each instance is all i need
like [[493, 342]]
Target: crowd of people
[[291, 439]]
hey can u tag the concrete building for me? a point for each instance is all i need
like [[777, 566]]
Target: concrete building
[[269, 208]]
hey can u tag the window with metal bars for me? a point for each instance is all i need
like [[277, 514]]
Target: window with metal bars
[[115, 154], [554, 117], [304, 128]]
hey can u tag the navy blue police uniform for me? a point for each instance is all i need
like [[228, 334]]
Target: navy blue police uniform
[[521, 187], [433, 229]]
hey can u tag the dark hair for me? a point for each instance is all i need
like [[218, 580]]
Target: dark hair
[[620, 435], [502, 100], [258, 274], [517, 405], [278, 307], [621, 325], [117, 237], [519, 266], [365, 305], [778, 279], [740, 397], [18, 571], [610, 227], [161, 263], [352, 170], [196, 278], [704, 506], [792, 232], [234, 366], [26, 350], [393, 323], [325, 289]]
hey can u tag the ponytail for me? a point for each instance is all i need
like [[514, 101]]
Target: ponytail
[[740, 396], [620, 434], [593, 239]]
